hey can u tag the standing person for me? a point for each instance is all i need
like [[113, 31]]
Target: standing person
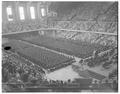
[[95, 54], [81, 63], [115, 86]]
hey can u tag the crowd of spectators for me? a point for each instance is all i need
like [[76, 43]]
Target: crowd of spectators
[[107, 59], [102, 22], [98, 84], [21, 76], [16, 73], [19, 26]]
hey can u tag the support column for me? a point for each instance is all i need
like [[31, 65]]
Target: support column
[[17, 11], [28, 10], [38, 10], [4, 13], [14, 11]]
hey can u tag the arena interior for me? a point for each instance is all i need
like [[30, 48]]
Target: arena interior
[[59, 46]]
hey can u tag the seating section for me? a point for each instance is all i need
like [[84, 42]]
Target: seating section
[[23, 26], [106, 59], [105, 21]]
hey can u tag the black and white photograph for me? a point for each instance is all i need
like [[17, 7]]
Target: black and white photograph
[[59, 46]]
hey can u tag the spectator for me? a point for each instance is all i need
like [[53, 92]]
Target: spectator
[[115, 86]]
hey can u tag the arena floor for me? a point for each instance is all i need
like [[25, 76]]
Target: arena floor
[[47, 59], [76, 48]]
